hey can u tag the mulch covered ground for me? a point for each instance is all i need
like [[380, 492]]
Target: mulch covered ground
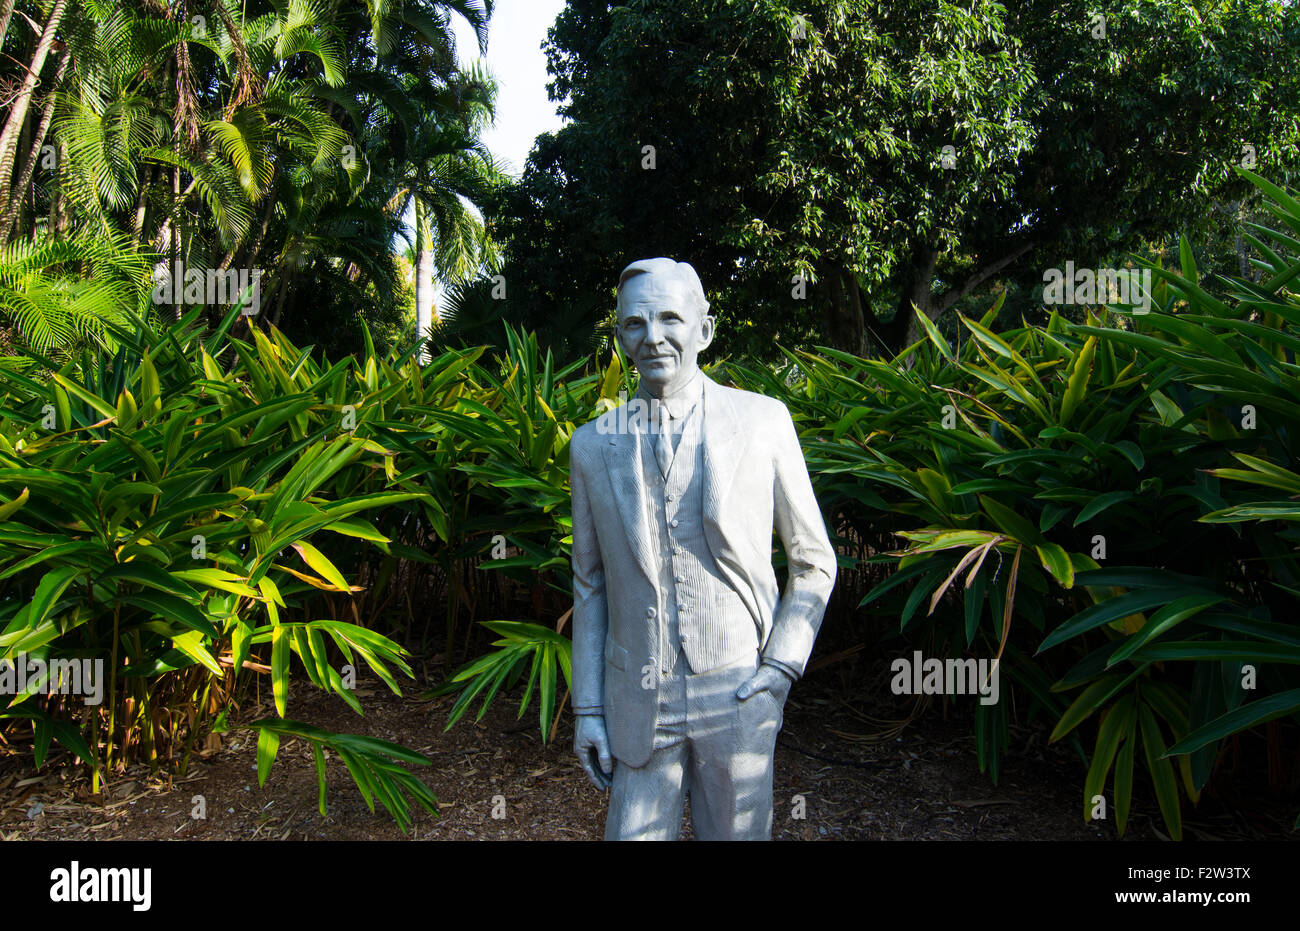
[[921, 784]]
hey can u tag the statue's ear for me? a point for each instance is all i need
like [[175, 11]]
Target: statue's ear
[[622, 341], [707, 325]]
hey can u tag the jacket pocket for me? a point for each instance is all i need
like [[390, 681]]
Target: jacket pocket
[[615, 655], [761, 715]]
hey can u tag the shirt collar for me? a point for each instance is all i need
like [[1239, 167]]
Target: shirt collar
[[682, 401]]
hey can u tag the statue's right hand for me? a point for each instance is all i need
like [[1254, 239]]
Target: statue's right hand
[[591, 743]]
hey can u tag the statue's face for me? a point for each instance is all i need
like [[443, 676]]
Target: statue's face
[[662, 330]]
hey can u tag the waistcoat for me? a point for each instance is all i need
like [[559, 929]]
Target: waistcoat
[[700, 616]]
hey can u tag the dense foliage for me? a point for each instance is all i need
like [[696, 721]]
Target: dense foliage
[[189, 511], [198, 511], [285, 137], [1086, 483], [770, 140]]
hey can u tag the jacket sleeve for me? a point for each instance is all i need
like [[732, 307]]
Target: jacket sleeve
[[590, 608], [810, 556]]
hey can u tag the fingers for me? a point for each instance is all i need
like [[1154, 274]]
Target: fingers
[[597, 779], [600, 753], [606, 761], [588, 765], [756, 683], [769, 680], [596, 761], [600, 773]]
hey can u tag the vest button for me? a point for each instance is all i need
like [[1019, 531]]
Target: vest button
[[672, 498], [649, 612], [672, 523]]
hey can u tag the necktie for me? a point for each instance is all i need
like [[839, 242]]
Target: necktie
[[664, 442]]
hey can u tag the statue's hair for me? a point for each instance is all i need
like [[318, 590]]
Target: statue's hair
[[682, 271]]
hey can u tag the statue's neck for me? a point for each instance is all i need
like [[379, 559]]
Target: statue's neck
[[673, 389]]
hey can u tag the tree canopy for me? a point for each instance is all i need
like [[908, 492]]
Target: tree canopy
[[827, 164]]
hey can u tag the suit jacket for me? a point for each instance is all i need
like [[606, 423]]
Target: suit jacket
[[755, 479]]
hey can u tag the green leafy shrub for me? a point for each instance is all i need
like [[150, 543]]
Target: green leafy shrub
[[1061, 448], [159, 516]]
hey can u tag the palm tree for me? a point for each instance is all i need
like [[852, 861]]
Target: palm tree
[[224, 132], [441, 172], [22, 99], [421, 128]]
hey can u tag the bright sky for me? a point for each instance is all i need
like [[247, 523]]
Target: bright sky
[[516, 60]]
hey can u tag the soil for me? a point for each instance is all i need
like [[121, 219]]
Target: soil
[[907, 781]]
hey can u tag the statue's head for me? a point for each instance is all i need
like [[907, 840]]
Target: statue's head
[[663, 322]]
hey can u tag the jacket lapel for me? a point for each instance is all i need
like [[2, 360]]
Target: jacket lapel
[[622, 452], [722, 439], [726, 441]]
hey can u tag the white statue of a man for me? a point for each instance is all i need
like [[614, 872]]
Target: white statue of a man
[[684, 649]]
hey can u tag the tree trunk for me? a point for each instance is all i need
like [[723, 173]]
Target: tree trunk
[[285, 282], [6, 10], [33, 153], [423, 279], [178, 287], [59, 202], [845, 325], [165, 229], [141, 203], [917, 292], [17, 204], [18, 109]]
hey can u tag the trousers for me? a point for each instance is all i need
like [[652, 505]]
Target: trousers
[[709, 745]]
